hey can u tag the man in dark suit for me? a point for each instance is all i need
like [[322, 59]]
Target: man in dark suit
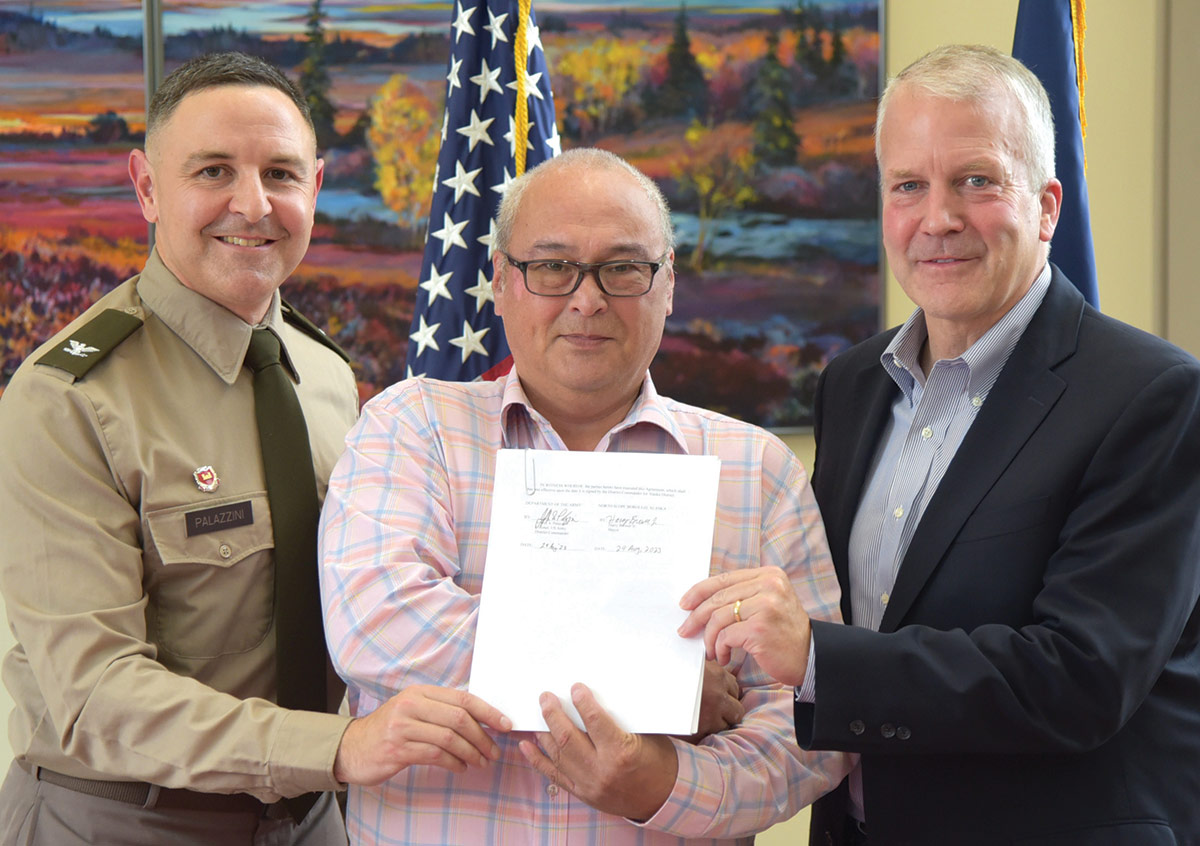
[[1010, 484]]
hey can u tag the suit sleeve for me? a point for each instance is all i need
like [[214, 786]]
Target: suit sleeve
[[1116, 592]]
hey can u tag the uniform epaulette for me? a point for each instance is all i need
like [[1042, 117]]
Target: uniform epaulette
[[90, 343], [311, 329]]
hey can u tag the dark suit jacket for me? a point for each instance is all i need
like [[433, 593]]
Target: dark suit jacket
[[1036, 679]]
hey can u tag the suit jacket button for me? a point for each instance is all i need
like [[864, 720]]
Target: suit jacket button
[[887, 730], [858, 727], [903, 732]]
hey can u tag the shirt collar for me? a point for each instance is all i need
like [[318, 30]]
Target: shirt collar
[[212, 331], [984, 359], [649, 409]]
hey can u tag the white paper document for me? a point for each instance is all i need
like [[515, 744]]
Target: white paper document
[[588, 556]]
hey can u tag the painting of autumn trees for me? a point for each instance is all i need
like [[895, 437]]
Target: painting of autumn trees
[[755, 122]]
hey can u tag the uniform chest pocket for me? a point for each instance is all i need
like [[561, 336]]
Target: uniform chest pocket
[[210, 576]]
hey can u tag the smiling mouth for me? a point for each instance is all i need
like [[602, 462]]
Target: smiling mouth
[[243, 242]]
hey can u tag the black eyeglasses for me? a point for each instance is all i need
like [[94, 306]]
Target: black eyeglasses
[[561, 278]]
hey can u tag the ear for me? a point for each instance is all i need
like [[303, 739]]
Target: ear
[[142, 175], [318, 180], [498, 266], [1051, 202], [669, 279]]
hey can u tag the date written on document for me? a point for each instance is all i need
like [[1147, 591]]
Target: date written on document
[[637, 549]]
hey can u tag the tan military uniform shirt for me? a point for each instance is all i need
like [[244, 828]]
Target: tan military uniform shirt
[[144, 654]]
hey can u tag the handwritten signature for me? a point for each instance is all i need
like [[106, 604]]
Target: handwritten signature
[[628, 521], [555, 518]]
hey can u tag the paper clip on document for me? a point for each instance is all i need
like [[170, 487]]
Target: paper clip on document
[[530, 474]]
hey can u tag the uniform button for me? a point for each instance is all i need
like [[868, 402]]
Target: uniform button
[[883, 600], [927, 433], [903, 732], [552, 790], [858, 727], [225, 551], [887, 730], [977, 401], [899, 512]]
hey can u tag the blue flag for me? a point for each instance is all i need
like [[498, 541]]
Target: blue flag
[[455, 331], [1045, 43]]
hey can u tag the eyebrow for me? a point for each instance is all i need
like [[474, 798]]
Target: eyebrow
[[557, 247], [198, 158]]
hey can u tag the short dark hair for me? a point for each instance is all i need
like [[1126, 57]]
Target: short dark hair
[[215, 69]]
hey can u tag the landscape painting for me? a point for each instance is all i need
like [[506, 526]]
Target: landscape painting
[[756, 121]]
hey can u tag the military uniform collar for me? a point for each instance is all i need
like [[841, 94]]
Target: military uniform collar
[[212, 331]]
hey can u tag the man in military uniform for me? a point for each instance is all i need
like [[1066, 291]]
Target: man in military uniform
[[142, 560]]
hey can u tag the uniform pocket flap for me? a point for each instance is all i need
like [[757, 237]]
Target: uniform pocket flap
[[217, 532]]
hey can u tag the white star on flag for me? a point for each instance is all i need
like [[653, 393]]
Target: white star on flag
[[496, 27], [463, 181], [436, 285], [554, 142], [476, 131], [451, 233], [488, 239], [481, 291], [531, 85], [533, 39], [452, 77], [463, 22], [424, 337], [511, 137], [469, 340], [486, 79], [504, 183]]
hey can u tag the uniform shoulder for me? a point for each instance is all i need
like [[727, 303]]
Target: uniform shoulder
[[312, 330], [91, 337]]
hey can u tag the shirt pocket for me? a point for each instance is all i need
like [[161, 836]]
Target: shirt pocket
[[211, 593]]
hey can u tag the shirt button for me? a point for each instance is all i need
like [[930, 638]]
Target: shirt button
[[884, 599], [887, 730], [899, 512], [551, 790], [225, 551], [927, 433], [903, 732], [976, 401], [858, 727], [130, 310]]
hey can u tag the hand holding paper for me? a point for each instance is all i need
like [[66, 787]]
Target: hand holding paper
[[630, 775], [756, 610]]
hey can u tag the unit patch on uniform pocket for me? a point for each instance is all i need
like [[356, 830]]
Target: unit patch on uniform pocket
[[222, 517]]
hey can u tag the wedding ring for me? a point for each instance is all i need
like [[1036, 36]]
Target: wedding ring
[[737, 611]]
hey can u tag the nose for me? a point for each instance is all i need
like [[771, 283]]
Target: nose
[[588, 298], [250, 198], [942, 213]]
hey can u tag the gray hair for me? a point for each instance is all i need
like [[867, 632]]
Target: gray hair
[[215, 69], [588, 157], [975, 74]]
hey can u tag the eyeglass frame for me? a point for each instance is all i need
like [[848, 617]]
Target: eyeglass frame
[[584, 268]]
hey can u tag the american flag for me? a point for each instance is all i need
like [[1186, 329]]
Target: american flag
[[455, 332]]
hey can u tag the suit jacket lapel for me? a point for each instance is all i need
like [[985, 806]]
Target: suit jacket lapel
[[1023, 395]]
